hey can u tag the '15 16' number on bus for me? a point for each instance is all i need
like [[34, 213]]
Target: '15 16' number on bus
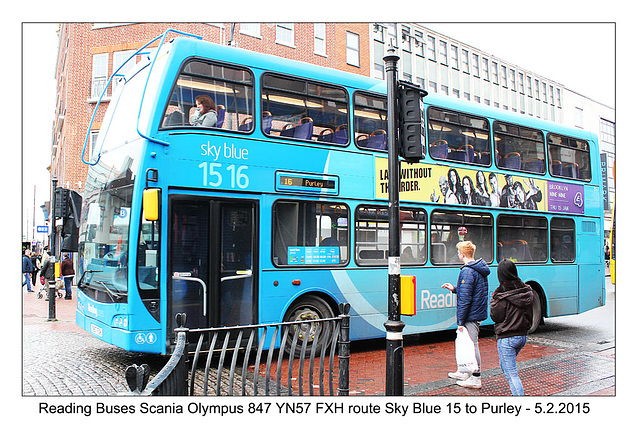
[[214, 178]]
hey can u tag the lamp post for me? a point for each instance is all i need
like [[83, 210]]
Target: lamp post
[[393, 325], [52, 243]]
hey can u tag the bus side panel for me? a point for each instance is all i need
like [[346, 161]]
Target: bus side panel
[[560, 286], [592, 294], [590, 257]]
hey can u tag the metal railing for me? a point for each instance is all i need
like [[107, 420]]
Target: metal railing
[[300, 360]]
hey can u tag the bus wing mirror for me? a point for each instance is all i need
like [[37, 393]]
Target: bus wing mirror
[[150, 203]]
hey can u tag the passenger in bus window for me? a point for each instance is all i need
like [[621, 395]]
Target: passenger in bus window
[[205, 112]]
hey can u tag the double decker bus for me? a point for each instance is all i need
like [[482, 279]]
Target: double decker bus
[[278, 210]]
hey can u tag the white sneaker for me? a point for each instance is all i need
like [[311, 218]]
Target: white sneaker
[[457, 375], [471, 382]]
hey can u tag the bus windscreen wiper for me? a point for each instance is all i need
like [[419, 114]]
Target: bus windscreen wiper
[[115, 296], [82, 285]]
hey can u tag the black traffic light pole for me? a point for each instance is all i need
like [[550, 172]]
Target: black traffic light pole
[[393, 325], [52, 247]]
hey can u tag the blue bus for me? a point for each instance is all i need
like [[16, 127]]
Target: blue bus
[[275, 208]]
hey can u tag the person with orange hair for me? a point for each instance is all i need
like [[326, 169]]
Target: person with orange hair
[[472, 292]]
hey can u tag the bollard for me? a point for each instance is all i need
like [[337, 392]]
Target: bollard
[[344, 351]]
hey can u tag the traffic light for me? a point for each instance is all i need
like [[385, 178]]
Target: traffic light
[[61, 208], [71, 222], [412, 142]]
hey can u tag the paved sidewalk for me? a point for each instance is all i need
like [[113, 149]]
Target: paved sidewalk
[[93, 368]]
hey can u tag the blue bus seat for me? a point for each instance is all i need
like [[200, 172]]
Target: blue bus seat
[[304, 130], [534, 164], [439, 149], [267, 120], [570, 170], [326, 135], [221, 113], [246, 124], [378, 139], [512, 160], [340, 136], [288, 130], [466, 153]]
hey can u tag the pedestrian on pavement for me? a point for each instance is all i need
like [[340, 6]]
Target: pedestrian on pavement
[[27, 269], [68, 273], [48, 271], [472, 292], [512, 312], [35, 261]]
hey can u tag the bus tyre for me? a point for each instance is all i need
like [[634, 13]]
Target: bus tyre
[[310, 307], [537, 312]]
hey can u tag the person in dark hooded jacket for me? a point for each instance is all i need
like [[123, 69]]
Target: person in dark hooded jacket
[[512, 312], [472, 291]]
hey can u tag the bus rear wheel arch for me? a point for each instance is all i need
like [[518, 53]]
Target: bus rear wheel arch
[[308, 307]]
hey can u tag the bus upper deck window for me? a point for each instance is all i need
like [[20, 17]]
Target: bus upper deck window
[[304, 110], [458, 137], [211, 96], [519, 148], [569, 157]]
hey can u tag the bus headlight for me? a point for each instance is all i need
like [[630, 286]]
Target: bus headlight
[[120, 321]]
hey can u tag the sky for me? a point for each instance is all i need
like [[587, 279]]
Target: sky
[[562, 52]]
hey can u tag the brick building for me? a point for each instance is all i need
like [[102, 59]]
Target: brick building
[[89, 53]]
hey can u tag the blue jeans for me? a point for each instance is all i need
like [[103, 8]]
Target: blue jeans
[[67, 286], [26, 280], [508, 349]]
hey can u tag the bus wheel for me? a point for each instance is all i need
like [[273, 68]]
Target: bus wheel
[[537, 312], [310, 307]]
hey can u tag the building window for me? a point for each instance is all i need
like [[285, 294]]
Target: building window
[[578, 117], [454, 56], [118, 60], [503, 75], [443, 52], [353, 49], [99, 74], [284, 34], [465, 61], [419, 43], [475, 63], [250, 29], [521, 83], [320, 39], [431, 48], [485, 68], [494, 72], [406, 38]]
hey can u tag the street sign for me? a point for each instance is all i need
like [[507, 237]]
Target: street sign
[[42, 228]]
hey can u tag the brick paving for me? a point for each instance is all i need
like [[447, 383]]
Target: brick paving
[[93, 368]]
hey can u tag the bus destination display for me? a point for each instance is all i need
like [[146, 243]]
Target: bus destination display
[[311, 184]]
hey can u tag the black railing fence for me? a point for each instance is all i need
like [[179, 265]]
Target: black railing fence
[[245, 360]]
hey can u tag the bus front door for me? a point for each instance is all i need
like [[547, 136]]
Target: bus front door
[[212, 249]]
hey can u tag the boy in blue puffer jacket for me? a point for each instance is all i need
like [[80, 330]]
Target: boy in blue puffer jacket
[[472, 291]]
